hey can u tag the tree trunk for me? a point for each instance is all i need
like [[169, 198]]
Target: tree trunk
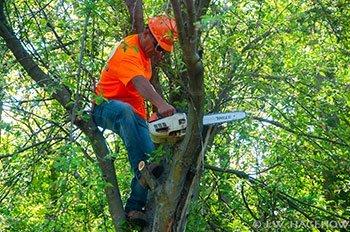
[[170, 201], [136, 15]]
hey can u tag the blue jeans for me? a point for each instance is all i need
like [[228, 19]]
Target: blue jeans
[[120, 118]]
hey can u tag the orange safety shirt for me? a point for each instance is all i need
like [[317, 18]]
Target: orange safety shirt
[[126, 62]]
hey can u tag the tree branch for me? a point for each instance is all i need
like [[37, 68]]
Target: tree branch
[[202, 7], [58, 91], [32, 146], [280, 125], [291, 201], [136, 15]]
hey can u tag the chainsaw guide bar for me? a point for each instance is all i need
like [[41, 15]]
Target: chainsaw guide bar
[[173, 128], [218, 118]]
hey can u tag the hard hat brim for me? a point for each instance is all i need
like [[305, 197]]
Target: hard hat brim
[[166, 47]]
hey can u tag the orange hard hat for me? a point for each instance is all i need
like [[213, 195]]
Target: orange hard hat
[[164, 30]]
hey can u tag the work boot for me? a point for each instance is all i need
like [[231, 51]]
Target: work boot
[[155, 169], [137, 218]]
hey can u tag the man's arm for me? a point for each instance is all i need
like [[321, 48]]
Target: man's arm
[[146, 89]]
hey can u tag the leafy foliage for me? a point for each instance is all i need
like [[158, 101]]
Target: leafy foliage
[[285, 63]]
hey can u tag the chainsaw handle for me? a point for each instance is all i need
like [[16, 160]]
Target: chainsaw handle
[[159, 116], [162, 116], [156, 116]]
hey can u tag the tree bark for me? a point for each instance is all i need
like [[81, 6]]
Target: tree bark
[[172, 198], [136, 15]]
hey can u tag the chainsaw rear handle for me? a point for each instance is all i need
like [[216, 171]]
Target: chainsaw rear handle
[[156, 116], [161, 116]]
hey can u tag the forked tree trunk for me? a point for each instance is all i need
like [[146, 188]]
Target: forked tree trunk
[[169, 202]]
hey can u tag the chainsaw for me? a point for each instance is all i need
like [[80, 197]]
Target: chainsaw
[[173, 128]]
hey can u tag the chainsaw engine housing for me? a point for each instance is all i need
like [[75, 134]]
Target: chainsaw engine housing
[[169, 129]]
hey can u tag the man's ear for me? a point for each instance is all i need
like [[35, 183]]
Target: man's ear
[[148, 31], [144, 35]]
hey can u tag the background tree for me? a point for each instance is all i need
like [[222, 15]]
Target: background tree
[[284, 63]]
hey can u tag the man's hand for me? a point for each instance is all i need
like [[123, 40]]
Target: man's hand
[[166, 110], [145, 88]]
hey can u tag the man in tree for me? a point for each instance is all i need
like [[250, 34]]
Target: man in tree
[[125, 84]]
